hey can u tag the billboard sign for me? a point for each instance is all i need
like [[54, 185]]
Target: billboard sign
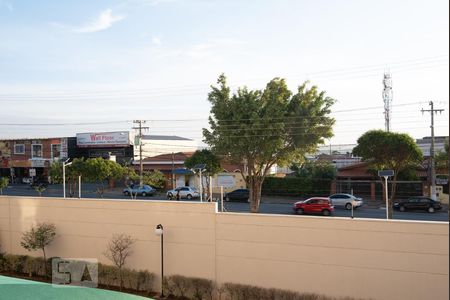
[[104, 139]]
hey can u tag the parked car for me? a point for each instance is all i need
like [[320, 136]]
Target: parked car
[[184, 192], [143, 191], [316, 205], [346, 200], [238, 195], [418, 203]]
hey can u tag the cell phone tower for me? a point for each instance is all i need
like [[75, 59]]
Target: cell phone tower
[[388, 96]]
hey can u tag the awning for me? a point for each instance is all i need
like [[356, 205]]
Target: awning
[[182, 172]]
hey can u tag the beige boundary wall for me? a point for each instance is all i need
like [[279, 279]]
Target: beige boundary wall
[[370, 259]]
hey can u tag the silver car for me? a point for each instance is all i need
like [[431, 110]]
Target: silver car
[[184, 192], [346, 200], [143, 191]]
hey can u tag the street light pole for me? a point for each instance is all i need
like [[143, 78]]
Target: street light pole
[[160, 232], [386, 191], [386, 174], [201, 187], [65, 164]]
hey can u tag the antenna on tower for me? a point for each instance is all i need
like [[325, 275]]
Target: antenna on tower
[[388, 95]]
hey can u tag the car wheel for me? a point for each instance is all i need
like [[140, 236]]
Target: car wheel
[[169, 196], [227, 199], [348, 206], [326, 212], [300, 211], [431, 209], [144, 194], [402, 209], [127, 193], [189, 196]]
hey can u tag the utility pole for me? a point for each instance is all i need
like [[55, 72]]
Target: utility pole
[[173, 171], [141, 162], [387, 98], [432, 150]]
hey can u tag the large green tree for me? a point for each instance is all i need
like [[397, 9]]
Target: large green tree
[[211, 162], [269, 127], [98, 170], [388, 150]]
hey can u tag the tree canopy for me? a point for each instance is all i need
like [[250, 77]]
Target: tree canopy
[[92, 170], [211, 162], [264, 128], [388, 150], [3, 184], [155, 179], [207, 157]]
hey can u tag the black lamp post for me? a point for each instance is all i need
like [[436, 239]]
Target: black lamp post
[[160, 232]]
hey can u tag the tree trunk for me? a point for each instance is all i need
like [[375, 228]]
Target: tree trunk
[[45, 262], [255, 193], [120, 278], [393, 195], [71, 188], [207, 188]]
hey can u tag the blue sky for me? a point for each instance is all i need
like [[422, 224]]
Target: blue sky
[[87, 61]]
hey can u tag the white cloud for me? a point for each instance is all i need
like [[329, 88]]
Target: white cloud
[[157, 41], [104, 21]]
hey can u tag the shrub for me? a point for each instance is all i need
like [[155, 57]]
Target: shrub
[[189, 288], [245, 292], [118, 251], [140, 281], [202, 289], [38, 238], [296, 186]]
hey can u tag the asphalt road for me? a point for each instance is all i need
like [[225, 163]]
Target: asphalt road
[[363, 212], [266, 208]]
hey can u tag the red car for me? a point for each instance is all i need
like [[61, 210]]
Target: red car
[[314, 205]]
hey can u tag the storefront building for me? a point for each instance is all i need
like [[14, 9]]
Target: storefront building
[[116, 146], [32, 158]]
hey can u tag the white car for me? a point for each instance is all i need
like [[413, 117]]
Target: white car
[[346, 200], [184, 192]]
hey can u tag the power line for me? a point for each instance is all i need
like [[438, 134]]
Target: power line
[[63, 124], [160, 92], [291, 120]]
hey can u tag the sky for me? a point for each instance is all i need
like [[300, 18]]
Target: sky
[[82, 66]]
